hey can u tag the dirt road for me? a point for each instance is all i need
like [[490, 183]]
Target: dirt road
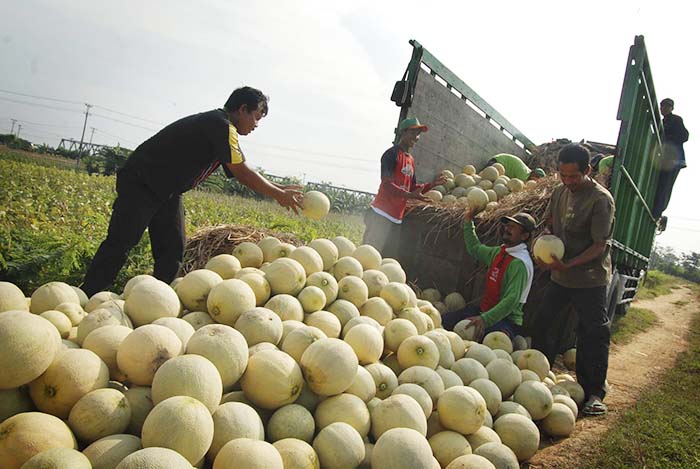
[[632, 368]]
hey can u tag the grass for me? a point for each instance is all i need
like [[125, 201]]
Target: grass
[[637, 320], [52, 220], [50, 161], [657, 284], [661, 431]]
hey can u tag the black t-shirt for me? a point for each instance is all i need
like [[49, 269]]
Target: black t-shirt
[[186, 152], [674, 129]]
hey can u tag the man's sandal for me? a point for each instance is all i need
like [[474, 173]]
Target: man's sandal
[[594, 407]]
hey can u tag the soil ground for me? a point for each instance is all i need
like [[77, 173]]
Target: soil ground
[[632, 368]]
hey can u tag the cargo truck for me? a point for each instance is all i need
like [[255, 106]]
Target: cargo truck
[[465, 129]]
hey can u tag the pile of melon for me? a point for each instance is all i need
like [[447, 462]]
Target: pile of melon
[[273, 357], [477, 191]]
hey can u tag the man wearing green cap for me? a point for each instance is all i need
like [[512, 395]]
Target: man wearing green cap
[[398, 171], [515, 167]]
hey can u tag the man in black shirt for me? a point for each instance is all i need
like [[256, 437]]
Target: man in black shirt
[[672, 158], [161, 169]]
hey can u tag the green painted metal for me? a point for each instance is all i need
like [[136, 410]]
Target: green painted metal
[[635, 172], [422, 55]]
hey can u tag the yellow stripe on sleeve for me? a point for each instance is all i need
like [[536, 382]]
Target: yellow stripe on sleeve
[[236, 154]]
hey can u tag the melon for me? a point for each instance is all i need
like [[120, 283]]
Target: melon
[[155, 458], [375, 281], [396, 295], [339, 445], [347, 266], [315, 205], [50, 295], [490, 173], [449, 199], [384, 379], [189, 424], [501, 190], [446, 356], [344, 246], [470, 461], [234, 420], [398, 410], [464, 180], [291, 421], [426, 378], [461, 409], [396, 331], [570, 359], [198, 319], [505, 375], [194, 288], [12, 298], [481, 353], [260, 325], [477, 199], [378, 309], [100, 318], [448, 446], [486, 185], [28, 434], [368, 256], [575, 391], [105, 341], [501, 456], [298, 340], [490, 392], [259, 285], [100, 297], [225, 265], [180, 327], [432, 295], [346, 408], [267, 245], [251, 454], [518, 433], [224, 347], [567, 401], [327, 283], [16, 400], [248, 271], [516, 185], [309, 258], [286, 307], [449, 377], [229, 299], [363, 385], [354, 290], [248, 254], [419, 394], [559, 422], [154, 299], [144, 350], [188, 375], [498, 340], [402, 448], [367, 343], [454, 302], [547, 247], [29, 345], [260, 347], [286, 276], [434, 195], [75, 313], [344, 310], [534, 360], [434, 425], [281, 250], [392, 361], [394, 272], [535, 397], [326, 322], [456, 343], [107, 452], [418, 350], [482, 436], [58, 457], [312, 299], [329, 366], [469, 369], [328, 252], [72, 374], [272, 379], [98, 414], [297, 454]]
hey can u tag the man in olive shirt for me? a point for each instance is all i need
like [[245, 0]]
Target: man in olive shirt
[[581, 213]]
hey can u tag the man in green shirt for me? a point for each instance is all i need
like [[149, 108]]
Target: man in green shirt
[[581, 214], [508, 279]]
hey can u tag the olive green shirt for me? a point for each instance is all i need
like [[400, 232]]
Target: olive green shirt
[[580, 219]]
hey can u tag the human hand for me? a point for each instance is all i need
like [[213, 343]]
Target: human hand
[[441, 179], [417, 195], [291, 199], [479, 327]]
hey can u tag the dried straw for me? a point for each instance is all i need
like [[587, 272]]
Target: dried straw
[[214, 240]]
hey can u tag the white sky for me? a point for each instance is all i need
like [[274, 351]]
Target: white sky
[[552, 68]]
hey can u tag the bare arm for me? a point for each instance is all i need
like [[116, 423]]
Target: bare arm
[[285, 196]]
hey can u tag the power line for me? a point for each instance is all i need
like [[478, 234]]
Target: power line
[[124, 122], [40, 97], [128, 115], [40, 105], [43, 125]]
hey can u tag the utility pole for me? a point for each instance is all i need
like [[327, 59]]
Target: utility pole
[[82, 137], [19, 128], [91, 135], [12, 131]]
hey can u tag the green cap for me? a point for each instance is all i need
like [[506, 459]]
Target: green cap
[[412, 123], [540, 172]]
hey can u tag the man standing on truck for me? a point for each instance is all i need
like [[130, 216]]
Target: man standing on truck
[[161, 169], [385, 215], [581, 214], [515, 167], [508, 279], [672, 157]]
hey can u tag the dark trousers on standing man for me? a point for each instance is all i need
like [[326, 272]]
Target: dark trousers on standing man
[[592, 332], [663, 190], [136, 208]]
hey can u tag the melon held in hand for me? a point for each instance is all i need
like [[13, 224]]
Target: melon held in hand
[[316, 205], [548, 246]]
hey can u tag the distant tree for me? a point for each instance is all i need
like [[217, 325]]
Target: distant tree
[[114, 158]]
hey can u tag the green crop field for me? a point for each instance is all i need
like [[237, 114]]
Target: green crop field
[[52, 219]]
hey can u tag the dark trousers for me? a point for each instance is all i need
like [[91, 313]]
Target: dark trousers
[[449, 320], [592, 332], [135, 209], [382, 233], [663, 190]]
